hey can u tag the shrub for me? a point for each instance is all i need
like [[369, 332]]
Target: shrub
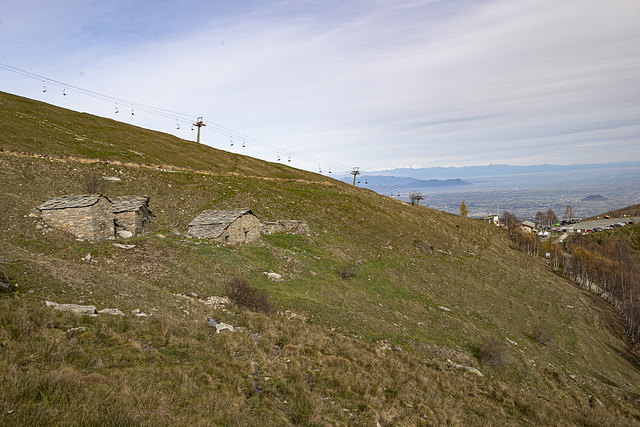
[[541, 333], [246, 296], [348, 270], [92, 182], [494, 352], [425, 247]]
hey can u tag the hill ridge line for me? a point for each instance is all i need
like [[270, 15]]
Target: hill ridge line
[[162, 168]]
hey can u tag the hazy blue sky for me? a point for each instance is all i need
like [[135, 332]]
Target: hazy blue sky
[[375, 84]]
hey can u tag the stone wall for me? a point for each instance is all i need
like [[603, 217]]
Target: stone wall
[[285, 226], [245, 229], [93, 222], [137, 222]]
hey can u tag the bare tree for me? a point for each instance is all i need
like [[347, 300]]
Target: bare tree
[[92, 182], [510, 220], [568, 214], [551, 217]]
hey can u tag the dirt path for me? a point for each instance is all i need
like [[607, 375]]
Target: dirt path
[[162, 168]]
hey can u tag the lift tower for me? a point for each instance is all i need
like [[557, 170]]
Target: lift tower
[[199, 124]]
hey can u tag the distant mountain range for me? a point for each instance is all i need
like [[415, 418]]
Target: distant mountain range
[[382, 184], [503, 176], [499, 170]]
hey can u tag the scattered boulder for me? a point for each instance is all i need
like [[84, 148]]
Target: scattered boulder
[[125, 234], [87, 257], [113, 311], [121, 246], [466, 368], [85, 310], [217, 302], [222, 326], [444, 308], [273, 276], [138, 313], [5, 286]]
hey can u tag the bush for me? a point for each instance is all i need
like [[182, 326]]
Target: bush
[[92, 182], [425, 247], [541, 333], [495, 352], [246, 296], [348, 270]]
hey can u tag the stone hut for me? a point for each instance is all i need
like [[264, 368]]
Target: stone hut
[[87, 216], [231, 227], [131, 215], [285, 226]]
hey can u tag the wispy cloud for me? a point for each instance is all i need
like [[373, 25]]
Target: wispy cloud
[[374, 84]]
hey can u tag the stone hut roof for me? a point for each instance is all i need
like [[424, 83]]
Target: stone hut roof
[[72, 201], [218, 220], [219, 217], [129, 203]]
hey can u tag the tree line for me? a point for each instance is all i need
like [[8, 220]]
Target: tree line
[[608, 265]]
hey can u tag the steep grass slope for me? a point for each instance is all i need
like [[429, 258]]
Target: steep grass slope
[[433, 295]]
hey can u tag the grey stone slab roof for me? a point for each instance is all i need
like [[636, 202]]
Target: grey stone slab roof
[[220, 218], [72, 201], [129, 203]]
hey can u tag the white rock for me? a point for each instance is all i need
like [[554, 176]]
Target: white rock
[[510, 341], [87, 257], [467, 368], [273, 276], [113, 311], [222, 326], [444, 308], [86, 310], [125, 234], [120, 245]]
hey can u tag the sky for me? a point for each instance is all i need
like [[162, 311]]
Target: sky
[[373, 84]]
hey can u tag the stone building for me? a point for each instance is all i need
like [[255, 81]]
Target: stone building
[[528, 227], [87, 216], [131, 215], [285, 226], [231, 227]]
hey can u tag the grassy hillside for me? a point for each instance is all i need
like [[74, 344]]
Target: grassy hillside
[[628, 211], [433, 295]]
